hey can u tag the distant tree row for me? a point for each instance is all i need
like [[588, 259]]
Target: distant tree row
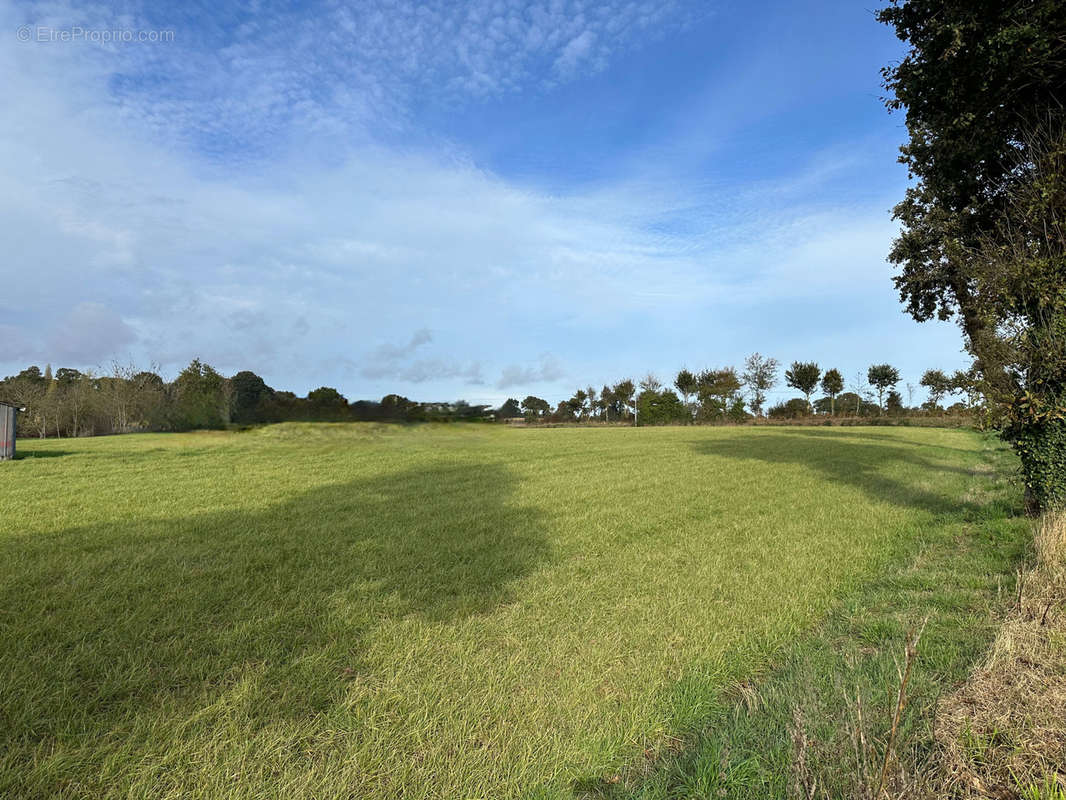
[[727, 395], [74, 403]]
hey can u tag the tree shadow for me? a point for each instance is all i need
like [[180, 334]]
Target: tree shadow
[[744, 744], [860, 460], [105, 624], [875, 433], [26, 452]]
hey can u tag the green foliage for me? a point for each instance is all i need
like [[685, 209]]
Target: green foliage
[[832, 385], [67, 376], [1042, 449], [200, 399], [686, 383], [938, 385], [718, 391], [250, 393], [577, 405], [398, 408], [977, 78], [660, 408], [622, 392], [736, 412], [848, 403], [759, 376], [803, 375], [326, 396], [509, 409], [534, 407], [882, 377], [30, 375], [792, 409], [983, 228]]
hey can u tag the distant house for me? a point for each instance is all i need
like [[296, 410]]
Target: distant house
[[7, 430]]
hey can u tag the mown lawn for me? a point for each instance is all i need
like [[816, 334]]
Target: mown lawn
[[469, 611]]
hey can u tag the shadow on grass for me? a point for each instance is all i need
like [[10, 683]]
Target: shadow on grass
[[875, 434], [104, 625], [860, 460], [28, 452], [743, 742]]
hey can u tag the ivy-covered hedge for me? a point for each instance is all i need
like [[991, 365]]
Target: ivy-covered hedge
[[1042, 448]]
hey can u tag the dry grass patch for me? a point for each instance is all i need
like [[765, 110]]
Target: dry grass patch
[[1004, 732]]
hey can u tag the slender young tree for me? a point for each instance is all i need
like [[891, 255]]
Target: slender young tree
[[804, 375], [882, 377], [577, 404], [937, 383], [607, 401], [760, 376], [623, 392], [832, 385], [685, 383]]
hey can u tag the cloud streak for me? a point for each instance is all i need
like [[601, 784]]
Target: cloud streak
[[397, 363], [547, 370]]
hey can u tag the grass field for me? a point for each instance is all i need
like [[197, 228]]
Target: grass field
[[469, 611]]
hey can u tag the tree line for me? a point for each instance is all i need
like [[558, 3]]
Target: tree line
[[74, 403], [125, 399], [729, 395]]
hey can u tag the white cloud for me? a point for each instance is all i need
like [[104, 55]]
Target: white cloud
[[547, 370], [576, 52], [240, 82], [310, 273]]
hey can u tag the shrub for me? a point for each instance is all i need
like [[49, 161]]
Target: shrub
[[660, 408], [793, 409]]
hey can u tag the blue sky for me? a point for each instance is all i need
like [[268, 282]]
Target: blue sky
[[451, 200]]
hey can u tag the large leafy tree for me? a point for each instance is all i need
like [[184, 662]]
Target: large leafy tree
[[248, 391], [717, 390], [1021, 297], [535, 407], [978, 76], [509, 409], [984, 86], [659, 407], [578, 404], [200, 396], [804, 375]]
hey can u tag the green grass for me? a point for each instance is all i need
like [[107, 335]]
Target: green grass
[[471, 611]]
